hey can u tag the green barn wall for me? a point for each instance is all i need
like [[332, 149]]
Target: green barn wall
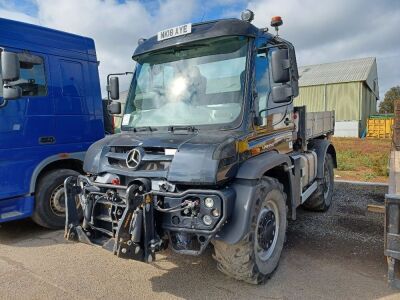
[[351, 101]]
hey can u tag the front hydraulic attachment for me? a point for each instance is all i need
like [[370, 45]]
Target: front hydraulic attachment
[[115, 217]]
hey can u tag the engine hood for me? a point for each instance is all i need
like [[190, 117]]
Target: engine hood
[[200, 157]]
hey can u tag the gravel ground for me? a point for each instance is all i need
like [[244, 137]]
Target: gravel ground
[[333, 255]]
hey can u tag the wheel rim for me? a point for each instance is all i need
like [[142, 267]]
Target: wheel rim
[[57, 201], [327, 180], [267, 230]]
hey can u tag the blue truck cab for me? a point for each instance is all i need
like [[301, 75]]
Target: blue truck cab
[[50, 113]]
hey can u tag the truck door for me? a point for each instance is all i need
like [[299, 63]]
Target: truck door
[[25, 126], [74, 104], [275, 132]]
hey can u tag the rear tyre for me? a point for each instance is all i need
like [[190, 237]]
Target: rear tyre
[[256, 257], [50, 199], [322, 198]]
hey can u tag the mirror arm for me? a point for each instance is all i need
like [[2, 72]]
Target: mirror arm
[[265, 48]]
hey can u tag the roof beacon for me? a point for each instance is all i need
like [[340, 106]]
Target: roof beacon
[[276, 22], [247, 15]]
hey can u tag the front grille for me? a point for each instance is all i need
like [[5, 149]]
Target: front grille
[[144, 166], [148, 150], [154, 158], [121, 149]]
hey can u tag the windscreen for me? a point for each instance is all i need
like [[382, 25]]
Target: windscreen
[[193, 84]]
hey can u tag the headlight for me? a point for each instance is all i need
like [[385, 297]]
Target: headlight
[[207, 220], [209, 202]]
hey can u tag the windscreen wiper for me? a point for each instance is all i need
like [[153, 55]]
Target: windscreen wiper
[[140, 129], [188, 128]]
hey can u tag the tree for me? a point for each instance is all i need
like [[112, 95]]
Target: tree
[[387, 105]]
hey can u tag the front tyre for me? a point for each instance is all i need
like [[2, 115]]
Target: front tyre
[[256, 257], [50, 199]]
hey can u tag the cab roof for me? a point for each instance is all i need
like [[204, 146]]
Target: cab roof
[[19, 35], [200, 31]]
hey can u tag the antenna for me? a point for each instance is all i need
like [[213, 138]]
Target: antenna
[[204, 12]]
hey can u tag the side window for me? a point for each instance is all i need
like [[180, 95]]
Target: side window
[[32, 79], [262, 80]]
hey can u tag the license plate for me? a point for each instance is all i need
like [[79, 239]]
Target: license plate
[[174, 31]]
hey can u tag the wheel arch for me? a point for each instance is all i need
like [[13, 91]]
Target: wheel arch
[[284, 177], [322, 147], [73, 161], [270, 164]]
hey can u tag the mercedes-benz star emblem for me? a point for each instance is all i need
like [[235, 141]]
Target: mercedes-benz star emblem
[[134, 158]]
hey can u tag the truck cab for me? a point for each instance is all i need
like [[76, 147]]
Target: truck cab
[[211, 150], [50, 113]]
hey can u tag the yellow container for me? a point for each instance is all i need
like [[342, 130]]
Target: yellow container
[[380, 128]]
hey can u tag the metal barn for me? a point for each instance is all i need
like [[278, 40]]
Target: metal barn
[[349, 87]]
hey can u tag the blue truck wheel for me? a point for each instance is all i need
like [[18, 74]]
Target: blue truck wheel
[[50, 200]]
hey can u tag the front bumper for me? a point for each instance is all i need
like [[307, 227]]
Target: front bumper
[[136, 224]]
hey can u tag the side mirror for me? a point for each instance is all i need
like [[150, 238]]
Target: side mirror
[[114, 108], [282, 93], [280, 65], [9, 66], [11, 92], [113, 88]]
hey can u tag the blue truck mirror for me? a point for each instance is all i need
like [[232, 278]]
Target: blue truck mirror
[[11, 92], [9, 66]]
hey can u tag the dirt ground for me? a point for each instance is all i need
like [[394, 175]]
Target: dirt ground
[[362, 159], [333, 255]]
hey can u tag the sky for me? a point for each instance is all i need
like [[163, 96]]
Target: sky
[[321, 30]]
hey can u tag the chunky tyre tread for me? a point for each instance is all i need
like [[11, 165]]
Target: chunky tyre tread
[[238, 261], [317, 202]]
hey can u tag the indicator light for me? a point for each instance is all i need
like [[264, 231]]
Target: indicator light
[[215, 213]]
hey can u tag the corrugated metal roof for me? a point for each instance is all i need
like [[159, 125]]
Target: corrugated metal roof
[[342, 71]]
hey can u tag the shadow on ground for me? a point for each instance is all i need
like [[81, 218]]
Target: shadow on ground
[[332, 255], [26, 233]]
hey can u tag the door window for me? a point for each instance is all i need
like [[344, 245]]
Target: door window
[[262, 81], [32, 79]]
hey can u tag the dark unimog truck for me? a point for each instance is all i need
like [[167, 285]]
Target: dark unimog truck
[[211, 150]]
